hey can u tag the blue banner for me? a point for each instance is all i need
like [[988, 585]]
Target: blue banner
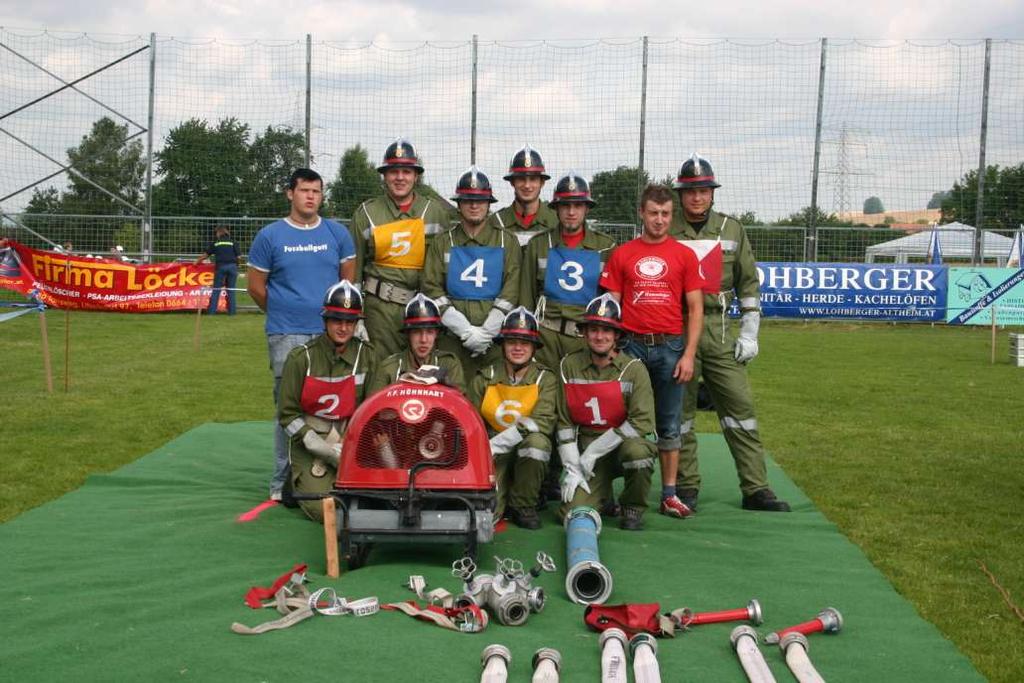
[[897, 292]]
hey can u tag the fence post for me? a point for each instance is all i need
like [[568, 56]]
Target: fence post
[[309, 90], [472, 123], [643, 126], [811, 238], [978, 257], [147, 219]]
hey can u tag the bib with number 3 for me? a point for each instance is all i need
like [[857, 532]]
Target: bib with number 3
[[503, 404], [400, 244], [571, 275], [475, 272]]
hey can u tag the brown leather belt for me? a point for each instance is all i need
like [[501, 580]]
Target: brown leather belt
[[562, 326], [652, 338]]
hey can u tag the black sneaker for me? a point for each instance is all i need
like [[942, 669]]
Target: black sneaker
[[610, 508], [689, 498], [524, 518], [632, 518], [765, 501]]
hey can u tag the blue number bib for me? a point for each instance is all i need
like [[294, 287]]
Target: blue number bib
[[475, 272], [571, 275]]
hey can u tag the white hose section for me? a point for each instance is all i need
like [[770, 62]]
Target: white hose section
[[546, 672], [645, 665], [750, 655], [613, 661], [496, 659], [799, 663]]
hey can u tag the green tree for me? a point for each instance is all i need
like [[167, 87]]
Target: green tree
[[802, 218], [273, 155], [873, 205], [357, 181], [616, 194], [1004, 199], [103, 157], [748, 218], [937, 198]]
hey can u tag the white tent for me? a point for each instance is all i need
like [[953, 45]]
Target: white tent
[[957, 242]]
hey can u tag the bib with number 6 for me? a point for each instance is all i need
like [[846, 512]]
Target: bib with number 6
[[571, 275], [400, 244], [475, 272], [503, 404]]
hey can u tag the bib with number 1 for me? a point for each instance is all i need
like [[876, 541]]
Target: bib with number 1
[[400, 244], [475, 272], [571, 275], [503, 404]]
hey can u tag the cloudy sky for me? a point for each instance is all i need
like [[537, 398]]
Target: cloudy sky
[[526, 19]]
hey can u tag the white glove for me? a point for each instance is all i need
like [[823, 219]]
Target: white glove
[[361, 334], [492, 324], [504, 441], [456, 323], [477, 342], [572, 480], [315, 444], [598, 448], [746, 343]]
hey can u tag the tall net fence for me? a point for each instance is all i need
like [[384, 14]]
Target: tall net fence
[[150, 142]]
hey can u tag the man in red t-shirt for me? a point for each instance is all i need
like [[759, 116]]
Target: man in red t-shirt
[[652, 276]]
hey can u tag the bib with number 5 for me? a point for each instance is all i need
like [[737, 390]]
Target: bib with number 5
[[571, 275], [400, 244], [503, 404], [475, 272]]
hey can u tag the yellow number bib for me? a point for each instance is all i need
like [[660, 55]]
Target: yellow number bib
[[401, 244], [503, 404]]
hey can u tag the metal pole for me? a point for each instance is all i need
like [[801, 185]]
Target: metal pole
[[147, 220], [309, 91], [979, 215], [811, 239], [472, 135], [643, 125]]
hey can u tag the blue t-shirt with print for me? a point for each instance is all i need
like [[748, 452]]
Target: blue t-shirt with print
[[301, 265]]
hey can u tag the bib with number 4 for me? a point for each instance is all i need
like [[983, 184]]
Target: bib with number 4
[[475, 272], [571, 275], [503, 404], [400, 244]]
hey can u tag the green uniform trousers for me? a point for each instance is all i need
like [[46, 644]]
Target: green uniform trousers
[[556, 347], [727, 383], [633, 460], [384, 320], [304, 481], [517, 477]]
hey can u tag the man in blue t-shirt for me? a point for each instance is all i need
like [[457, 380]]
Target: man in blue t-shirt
[[292, 263]]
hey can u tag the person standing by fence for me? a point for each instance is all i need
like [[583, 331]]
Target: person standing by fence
[[225, 256], [527, 215]]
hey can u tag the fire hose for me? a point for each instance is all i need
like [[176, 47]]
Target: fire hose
[[644, 649], [613, 656], [546, 664], [495, 660], [794, 645], [587, 581], [744, 641]]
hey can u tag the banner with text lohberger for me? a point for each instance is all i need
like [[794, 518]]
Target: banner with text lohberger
[[893, 292], [96, 284]]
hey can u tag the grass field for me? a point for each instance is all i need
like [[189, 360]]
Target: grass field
[[905, 436]]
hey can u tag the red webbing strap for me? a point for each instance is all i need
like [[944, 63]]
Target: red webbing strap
[[257, 594], [469, 619], [633, 619]]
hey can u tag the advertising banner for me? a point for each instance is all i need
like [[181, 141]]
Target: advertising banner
[[862, 291], [975, 292], [75, 282]]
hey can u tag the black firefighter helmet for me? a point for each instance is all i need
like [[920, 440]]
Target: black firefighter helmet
[[526, 162], [400, 154], [421, 313], [474, 185], [604, 310], [572, 187], [695, 172], [520, 323], [343, 301]]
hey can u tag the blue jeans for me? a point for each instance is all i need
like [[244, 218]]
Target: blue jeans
[[226, 275], [661, 360], [279, 346]]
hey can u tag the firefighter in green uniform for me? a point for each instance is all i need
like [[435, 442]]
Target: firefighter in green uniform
[[422, 325], [527, 215], [605, 414], [472, 272], [321, 384], [517, 398], [391, 235], [721, 357], [561, 268]]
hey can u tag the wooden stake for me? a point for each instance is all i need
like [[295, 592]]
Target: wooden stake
[[195, 339], [993, 310], [67, 348], [46, 352], [331, 536]]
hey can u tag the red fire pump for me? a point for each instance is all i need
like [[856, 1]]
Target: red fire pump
[[415, 467]]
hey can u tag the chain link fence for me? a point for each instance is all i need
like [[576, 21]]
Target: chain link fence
[[151, 141]]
